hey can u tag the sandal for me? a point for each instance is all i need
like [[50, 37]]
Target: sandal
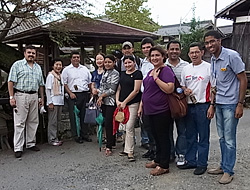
[[108, 152], [131, 157]]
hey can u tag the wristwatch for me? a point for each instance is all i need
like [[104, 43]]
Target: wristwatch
[[11, 97]]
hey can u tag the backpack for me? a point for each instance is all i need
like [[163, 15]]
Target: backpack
[[119, 63]]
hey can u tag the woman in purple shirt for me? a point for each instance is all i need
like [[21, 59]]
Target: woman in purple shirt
[[158, 83]]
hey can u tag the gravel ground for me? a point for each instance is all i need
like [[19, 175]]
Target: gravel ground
[[82, 166]]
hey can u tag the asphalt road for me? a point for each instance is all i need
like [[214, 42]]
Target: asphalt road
[[81, 166]]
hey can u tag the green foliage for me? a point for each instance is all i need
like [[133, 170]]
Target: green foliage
[[131, 13], [194, 35]]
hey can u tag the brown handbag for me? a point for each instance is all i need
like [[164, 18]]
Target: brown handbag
[[177, 102]]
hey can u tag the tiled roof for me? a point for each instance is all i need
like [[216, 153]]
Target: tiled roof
[[85, 27], [20, 25], [176, 29]]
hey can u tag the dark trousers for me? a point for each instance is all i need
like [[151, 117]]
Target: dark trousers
[[80, 102], [160, 124], [147, 128], [108, 112]]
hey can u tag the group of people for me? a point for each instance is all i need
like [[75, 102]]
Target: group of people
[[141, 86]]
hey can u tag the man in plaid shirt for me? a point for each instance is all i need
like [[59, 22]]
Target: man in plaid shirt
[[25, 79]]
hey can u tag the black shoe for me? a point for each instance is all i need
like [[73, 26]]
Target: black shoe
[[148, 154], [18, 154], [146, 146], [152, 156], [87, 139], [187, 166], [34, 148], [200, 170], [79, 140]]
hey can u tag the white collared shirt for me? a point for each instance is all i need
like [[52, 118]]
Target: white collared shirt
[[76, 76], [145, 68]]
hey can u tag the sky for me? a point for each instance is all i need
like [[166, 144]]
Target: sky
[[168, 12]]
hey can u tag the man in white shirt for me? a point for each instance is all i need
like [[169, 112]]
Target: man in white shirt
[[177, 64], [196, 81], [77, 83]]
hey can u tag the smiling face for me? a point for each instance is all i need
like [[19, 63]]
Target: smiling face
[[156, 58], [174, 51], [195, 55], [109, 64], [129, 65], [213, 45], [30, 55], [75, 60], [99, 59], [57, 67]]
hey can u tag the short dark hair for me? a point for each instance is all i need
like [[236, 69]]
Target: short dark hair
[[130, 57], [161, 50], [111, 57], [194, 44], [173, 42], [74, 53], [29, 47], [213, 33], [56, 60], [147, 40]]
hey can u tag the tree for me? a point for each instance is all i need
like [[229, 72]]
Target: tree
[[14, 12], [131, 13], [195, 34]]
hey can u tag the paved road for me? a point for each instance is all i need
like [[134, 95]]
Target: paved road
[[82, 166]]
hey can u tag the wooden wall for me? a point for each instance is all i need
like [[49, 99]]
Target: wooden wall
[[241, 41]]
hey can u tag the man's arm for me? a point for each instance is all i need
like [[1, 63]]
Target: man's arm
[[71, 94], [11, 93], [242, 91], [41, 91]]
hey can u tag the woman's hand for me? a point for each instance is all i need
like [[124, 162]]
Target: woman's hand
[[99, 101], [94, 91], [155, 73], [123, 105]]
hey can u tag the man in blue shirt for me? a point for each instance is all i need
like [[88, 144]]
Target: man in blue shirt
[[228, 71]]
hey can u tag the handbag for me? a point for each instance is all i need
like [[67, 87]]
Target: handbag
[[91, 112], [177, 102], [120, 117]]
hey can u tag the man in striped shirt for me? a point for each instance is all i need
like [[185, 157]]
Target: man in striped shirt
[[177, 64]]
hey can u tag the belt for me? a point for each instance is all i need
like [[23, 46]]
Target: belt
[[26, 92]]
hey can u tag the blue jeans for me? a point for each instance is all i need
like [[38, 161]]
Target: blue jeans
[[197, 134], [226, 127], [144, 135], [181, 143]]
